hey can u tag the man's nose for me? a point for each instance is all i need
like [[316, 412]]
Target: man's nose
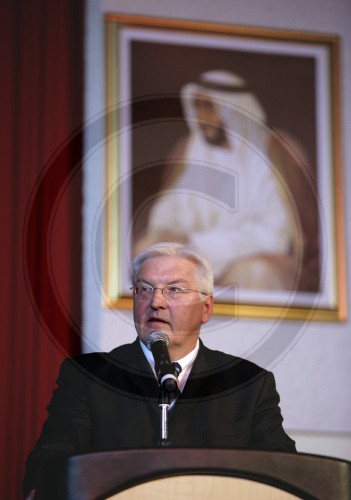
[[158, 299]]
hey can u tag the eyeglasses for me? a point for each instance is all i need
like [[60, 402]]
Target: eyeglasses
[[144, 291]]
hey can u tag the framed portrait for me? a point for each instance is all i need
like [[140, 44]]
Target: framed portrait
[[227, 138]]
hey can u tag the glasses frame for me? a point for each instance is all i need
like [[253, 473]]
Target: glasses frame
[[152, 290]]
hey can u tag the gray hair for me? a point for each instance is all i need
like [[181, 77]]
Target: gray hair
[[172, 249]]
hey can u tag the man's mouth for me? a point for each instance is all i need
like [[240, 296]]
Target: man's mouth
[[153, 321]]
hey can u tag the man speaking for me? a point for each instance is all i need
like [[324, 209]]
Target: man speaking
[[111, 401]]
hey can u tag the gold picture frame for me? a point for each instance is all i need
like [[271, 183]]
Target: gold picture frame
[[296, 76]]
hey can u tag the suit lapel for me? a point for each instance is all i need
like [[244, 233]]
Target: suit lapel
[[126, 370], [138, 371], [196, 386]]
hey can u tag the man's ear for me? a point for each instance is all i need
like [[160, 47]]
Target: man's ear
[[207, 309]]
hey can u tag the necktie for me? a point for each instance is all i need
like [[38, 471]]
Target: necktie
[[174, 396], [177, 368]]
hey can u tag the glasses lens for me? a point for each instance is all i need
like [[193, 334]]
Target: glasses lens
[[143, 291], [175, 292]]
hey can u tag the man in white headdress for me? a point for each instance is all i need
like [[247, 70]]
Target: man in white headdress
[[221, 192]]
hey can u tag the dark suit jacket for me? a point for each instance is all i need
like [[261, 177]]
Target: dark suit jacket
[[111, 401]]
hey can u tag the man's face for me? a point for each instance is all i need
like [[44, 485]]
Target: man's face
[[210, 122], [179, 319]]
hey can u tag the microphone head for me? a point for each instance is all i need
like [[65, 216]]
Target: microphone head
[[156, 336]]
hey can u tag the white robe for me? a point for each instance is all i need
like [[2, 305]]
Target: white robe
[[228, 202]]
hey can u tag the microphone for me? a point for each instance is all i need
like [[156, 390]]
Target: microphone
[[158, 342]]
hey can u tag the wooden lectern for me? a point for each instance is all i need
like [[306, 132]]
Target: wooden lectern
[[169, 473]]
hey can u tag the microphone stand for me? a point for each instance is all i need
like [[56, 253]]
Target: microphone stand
[[166, 390], [164, 405], [167, 376]]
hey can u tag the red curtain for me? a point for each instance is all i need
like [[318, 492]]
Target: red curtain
[[40, 191]]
